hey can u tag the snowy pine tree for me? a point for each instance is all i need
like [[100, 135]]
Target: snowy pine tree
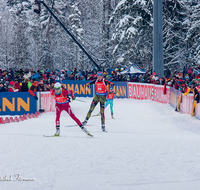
[[31, 40], [20, 37], [78, 31], [193, 34], [133, 33], [174, 32]]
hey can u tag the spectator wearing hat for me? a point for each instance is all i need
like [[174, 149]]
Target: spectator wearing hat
[[162, 81], [156, 80], [46, 87], [11, 87], [34, 88], [30, 82], [6, 84], [41, 85], [11, 73], [190, 72], [36, 76], [2, 88], [44, 76], [185, 89], [27, 75], [174, 82], [17, 85], [25, 85]]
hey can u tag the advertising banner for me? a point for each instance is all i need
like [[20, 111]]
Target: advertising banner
[[47, 102], [79, 88], [197, 111], [173, 97], [17, 103], [140, 91], [187, 104], [121, 88], [159, 96]]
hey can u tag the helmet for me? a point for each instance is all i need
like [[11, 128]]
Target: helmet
[[57, 86], [99, 73]]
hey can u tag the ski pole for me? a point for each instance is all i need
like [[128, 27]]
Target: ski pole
[[81, 100]]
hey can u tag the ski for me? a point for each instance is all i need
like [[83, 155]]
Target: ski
[[86, 132], [89, 134], [63, 136], [76, 125], [95, 115], [81, 100], [52, 136]]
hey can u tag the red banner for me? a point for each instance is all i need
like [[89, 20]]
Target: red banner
[[148, 91], [47, 102], [159, 96], [140, 91]]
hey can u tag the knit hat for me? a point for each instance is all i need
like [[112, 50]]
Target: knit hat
[[12, 83], [41, 82], [57, 86], [36, 82]]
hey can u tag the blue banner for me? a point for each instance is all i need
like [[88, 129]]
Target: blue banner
[[17, 103], [79, 88], [121, 88]]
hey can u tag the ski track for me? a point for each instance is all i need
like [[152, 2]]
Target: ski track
[[148, 146]]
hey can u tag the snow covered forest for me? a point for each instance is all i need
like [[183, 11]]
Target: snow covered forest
[[116, 33]]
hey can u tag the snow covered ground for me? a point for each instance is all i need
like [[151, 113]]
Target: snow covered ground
[[148, 146]]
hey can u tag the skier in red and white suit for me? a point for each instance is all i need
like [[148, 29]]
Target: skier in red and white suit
[[62, 103]]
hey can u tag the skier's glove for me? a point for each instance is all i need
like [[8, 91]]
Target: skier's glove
[[36, 98], [88, 85], [74, 98], [63, 86]]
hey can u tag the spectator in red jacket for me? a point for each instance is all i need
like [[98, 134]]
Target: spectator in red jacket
[[198, 76], [190, 72], [11, 87], [34, 88], [17, 85]]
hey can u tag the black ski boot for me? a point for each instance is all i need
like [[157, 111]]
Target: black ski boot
[[85, 122], [103, 128]]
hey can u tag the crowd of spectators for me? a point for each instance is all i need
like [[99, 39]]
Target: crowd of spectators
[[19, 80]]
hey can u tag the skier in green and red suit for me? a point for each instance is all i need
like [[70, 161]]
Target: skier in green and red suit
[[100, 96]]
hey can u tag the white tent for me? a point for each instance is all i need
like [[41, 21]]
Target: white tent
[[133, 69]]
